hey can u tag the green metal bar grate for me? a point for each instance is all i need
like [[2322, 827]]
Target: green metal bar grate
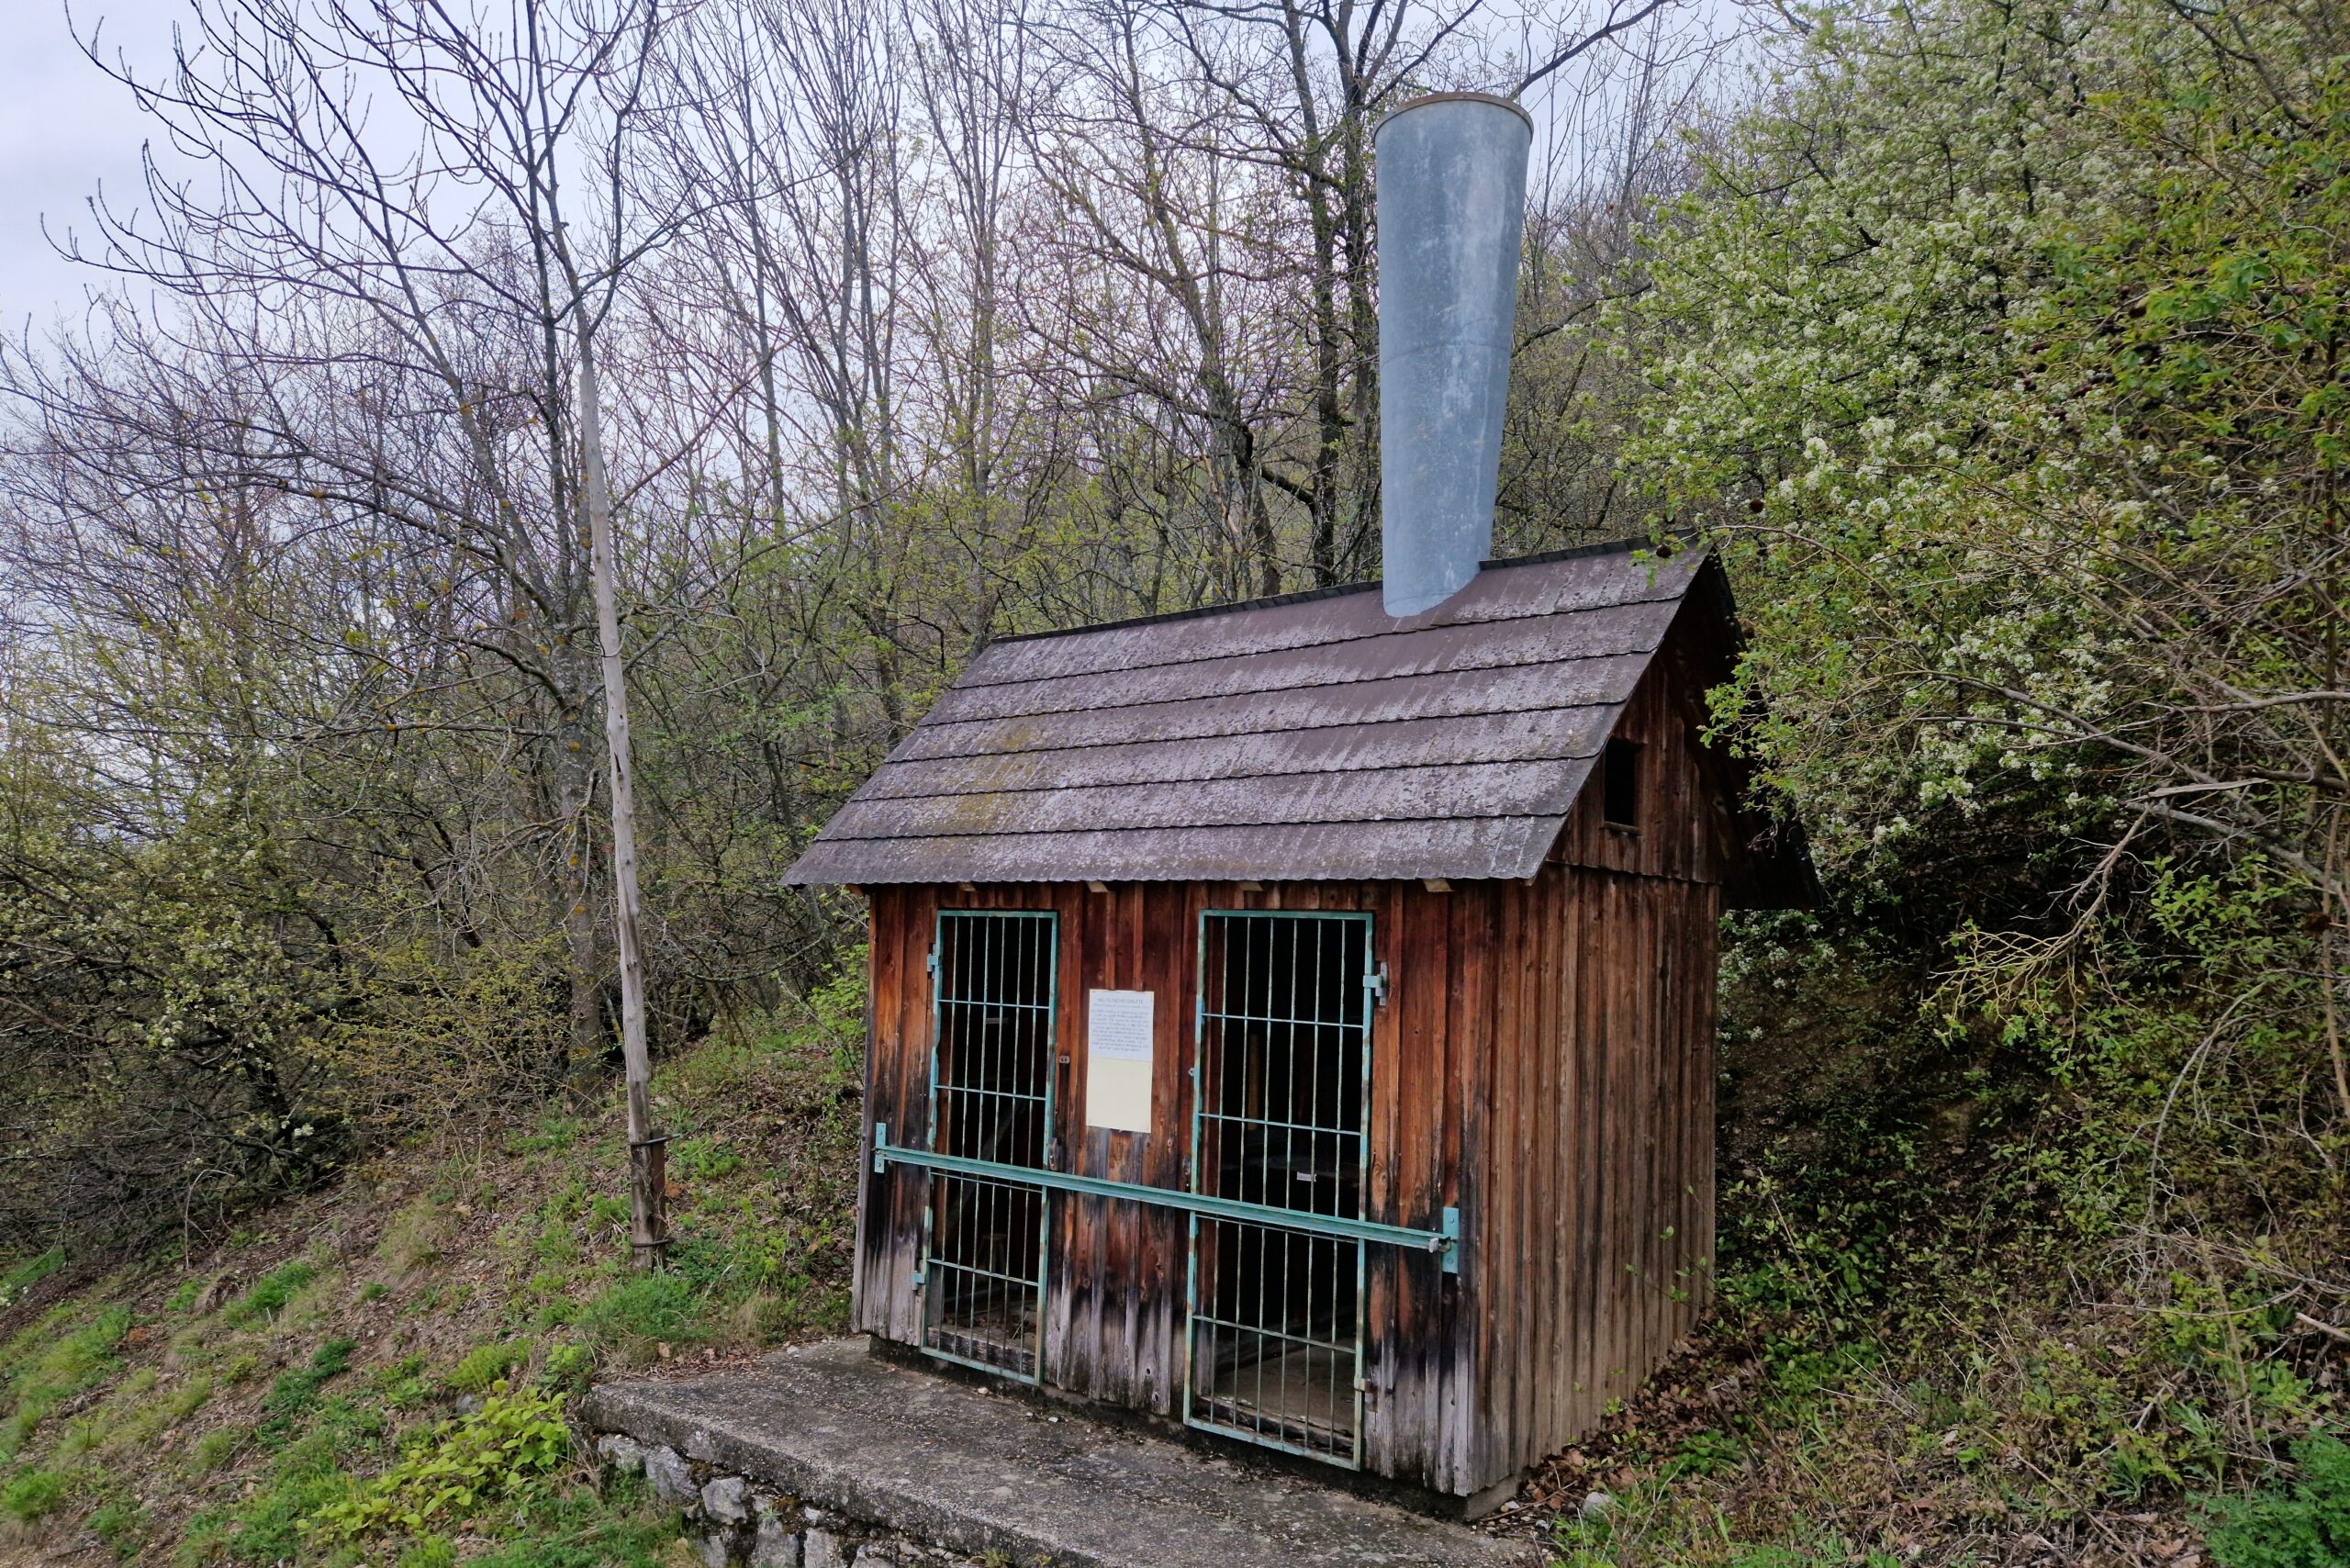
[[994, 978], [1273, 1344]]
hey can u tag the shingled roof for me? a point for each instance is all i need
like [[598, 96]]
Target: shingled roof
[[1311, 737]]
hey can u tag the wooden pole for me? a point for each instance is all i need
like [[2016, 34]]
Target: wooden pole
[[648, 1225]]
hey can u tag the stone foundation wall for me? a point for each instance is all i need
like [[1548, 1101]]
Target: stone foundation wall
[[734, 1520]]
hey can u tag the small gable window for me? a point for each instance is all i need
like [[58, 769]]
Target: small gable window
[[1621, 784]]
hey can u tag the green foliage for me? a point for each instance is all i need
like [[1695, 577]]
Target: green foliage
[[623, 1529], [58, 1371], [838, 1007], [553, 1132], [18, 1277], [432, 1552], [34, 1495], [402, 1383], [177, 951], [485, 1365], [2301, 1523], [456, 1467], [1998, 353], [295, 1392], [1703, 1454], [268, 1528], [268, 1294], [214, 1449], [645, 1309], [568, 1367], [121, 1524], [702, 1160], [162, 1414]]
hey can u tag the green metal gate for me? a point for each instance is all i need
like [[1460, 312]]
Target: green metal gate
[[993, 976], [1274, 1301]]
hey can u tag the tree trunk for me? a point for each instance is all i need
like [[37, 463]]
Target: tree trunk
[[648, 1230]]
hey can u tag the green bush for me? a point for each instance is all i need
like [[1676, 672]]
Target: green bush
[[621, 1528], [402, 1383], [458, 1466], [119, 1524], [266, 1529], [2302, 1524]]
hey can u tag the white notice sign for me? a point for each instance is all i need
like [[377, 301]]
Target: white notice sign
[[1117, 1059]]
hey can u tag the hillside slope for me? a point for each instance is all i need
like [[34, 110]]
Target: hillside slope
[[204, 1409], [1917, 1355]]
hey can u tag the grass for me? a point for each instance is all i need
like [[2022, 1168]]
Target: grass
[[487, 1364], [269, 1295], [50, 1374], [16, 1280], [1806, 1426], [644, 1310], [145, 1418], [295, 1394], [34, 1495]]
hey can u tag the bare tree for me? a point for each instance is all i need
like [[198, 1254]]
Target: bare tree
[[386, 190]]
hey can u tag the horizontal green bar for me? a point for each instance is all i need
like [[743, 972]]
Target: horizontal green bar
[[1163, 1197]]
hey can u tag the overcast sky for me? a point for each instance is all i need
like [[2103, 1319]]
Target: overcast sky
[[64, 128]]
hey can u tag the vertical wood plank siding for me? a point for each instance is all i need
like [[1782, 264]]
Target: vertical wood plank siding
[[1544, 1063], [1596, 1244]]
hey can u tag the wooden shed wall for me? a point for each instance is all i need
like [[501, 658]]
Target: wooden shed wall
[[1597, 1238], [1544, 1063], [1117, 1272], [1593, 1250]]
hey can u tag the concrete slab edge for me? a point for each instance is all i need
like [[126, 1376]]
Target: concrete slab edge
[[699, 1434], [633, 1409]]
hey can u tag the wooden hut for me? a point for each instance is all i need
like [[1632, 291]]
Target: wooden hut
[[1296, 1022]]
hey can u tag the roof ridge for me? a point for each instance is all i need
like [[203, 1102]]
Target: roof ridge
[[1335, 590]]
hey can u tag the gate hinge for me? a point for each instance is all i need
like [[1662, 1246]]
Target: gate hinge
[[1376, 983], [930, 961], [881, 1149], [1452, 1237]]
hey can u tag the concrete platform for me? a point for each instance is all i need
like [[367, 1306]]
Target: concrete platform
[[942, 1462]]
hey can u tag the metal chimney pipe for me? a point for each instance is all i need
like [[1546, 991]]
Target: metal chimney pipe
[[1451, 212]]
